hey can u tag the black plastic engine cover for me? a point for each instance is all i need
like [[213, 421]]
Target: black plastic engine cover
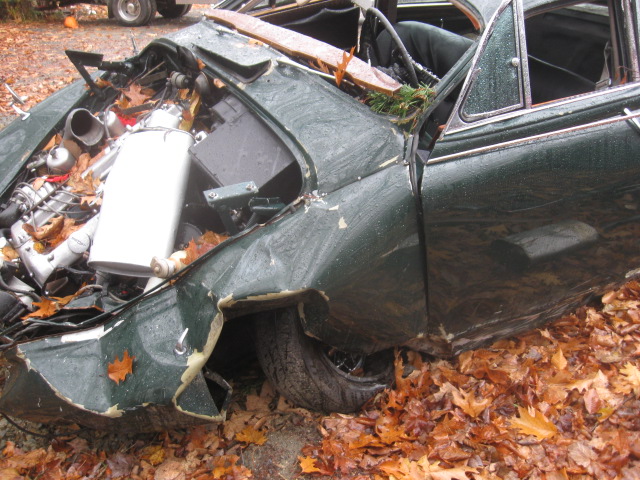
[[242, 148]]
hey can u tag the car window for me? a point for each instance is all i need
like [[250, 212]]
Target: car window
[[497, 85], [571, 51]]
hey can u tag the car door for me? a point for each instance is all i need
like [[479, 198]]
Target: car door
[[532, 205]]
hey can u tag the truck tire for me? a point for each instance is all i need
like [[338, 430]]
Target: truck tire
[[170, 9], [302, 370], [133, 13]]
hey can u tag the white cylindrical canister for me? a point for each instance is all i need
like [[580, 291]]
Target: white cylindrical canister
[[143, 199]]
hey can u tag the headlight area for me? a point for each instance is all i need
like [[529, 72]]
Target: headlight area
[[123, 196]]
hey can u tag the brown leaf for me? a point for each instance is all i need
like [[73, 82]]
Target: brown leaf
[[119, 369], [154, 454], [51, 143], [533, 422], [46, 308], [9, 253], [250, 435], [10, 474], [120, 464], [226, 467], [136, 94], [202, 245], [308, 465], [69, 226], [592, 401], [631, 378], [52, 228], [342, 66], [321, 66], [467, 401], [172, 469], [582, 453], [558, 360], [84, 186], [26, 461], [102, 83], [73, 148], [38, 182], [192, 253]]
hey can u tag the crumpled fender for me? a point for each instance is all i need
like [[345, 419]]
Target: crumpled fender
[[65, 377]]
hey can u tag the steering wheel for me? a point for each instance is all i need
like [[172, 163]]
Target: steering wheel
[[368, 41]]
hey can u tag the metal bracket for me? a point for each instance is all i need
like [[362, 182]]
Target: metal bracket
[[181, 346], [17, 99], [231, 197]]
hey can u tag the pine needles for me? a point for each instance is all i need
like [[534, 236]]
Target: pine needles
[[404, 104]]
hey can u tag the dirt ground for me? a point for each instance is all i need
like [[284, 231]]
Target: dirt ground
[[32, 58], [33, 63]]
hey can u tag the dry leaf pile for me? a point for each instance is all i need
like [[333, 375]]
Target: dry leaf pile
[[198, 454], [203, 453], [558, 403], [33, 60]]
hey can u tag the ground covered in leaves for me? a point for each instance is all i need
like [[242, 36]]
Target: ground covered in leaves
[[32, 52], [561, 402]]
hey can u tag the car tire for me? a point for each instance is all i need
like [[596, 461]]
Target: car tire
[[301, 369], [133, 13], [170, 9]]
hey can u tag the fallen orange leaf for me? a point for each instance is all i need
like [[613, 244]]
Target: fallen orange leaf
[[308, 465], [533, 422], [251, 435], [119, 369], [342, 66], [45, 309]]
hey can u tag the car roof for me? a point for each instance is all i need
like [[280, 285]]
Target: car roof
[[482, 10]]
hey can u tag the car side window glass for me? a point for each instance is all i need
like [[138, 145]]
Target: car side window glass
[[497, 86], [571, 52]]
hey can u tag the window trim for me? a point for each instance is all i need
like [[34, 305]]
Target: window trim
[[631, 11], [459, 119], [630, 38]]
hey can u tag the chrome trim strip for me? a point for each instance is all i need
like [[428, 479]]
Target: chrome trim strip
[[518, 37], [631, 38], [533, 138], [541, 107], [523, 53], [454, 119]]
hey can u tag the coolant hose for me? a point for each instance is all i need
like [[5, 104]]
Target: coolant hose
[[9, 215]]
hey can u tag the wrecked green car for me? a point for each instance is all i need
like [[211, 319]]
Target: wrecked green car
[[471, 171]]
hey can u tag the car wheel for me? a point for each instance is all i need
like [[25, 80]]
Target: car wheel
[[313, 375], [170, 9], [133, 13]]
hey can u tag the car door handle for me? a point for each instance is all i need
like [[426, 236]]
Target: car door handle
[[633, 121]]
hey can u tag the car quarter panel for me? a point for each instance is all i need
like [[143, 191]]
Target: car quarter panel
[[527, 214]]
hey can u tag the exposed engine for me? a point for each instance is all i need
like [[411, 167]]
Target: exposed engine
[[120, 200]]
